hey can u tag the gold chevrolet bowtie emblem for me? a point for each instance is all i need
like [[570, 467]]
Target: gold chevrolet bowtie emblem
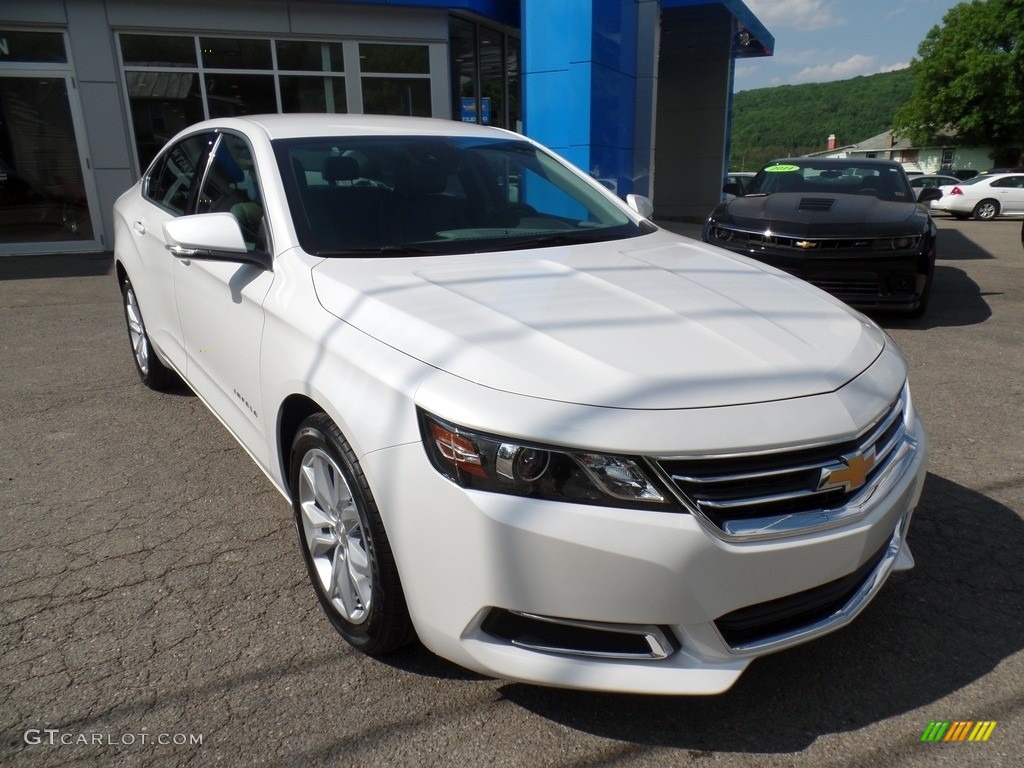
[[805, 244], [850, 473]]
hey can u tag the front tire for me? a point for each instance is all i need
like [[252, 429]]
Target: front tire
[[151, 370], [926, 294], [986, 210], [346, 549]]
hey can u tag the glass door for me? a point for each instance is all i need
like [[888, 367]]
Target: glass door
[[44, 203]]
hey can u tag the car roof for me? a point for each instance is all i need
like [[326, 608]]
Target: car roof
[[301, 125], [994, 176], [839, 162]]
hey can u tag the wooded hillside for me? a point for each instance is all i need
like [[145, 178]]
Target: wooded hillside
[[797, 119]]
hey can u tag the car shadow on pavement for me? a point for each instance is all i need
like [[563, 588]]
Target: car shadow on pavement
[[56, 265], [956, 301], [932, 631], [953, 242]]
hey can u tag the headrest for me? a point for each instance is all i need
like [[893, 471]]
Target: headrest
[[340, 168], [421, 181]]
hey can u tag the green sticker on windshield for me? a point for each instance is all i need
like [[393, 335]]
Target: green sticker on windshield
[[781, 168]]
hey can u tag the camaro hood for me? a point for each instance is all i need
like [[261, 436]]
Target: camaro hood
[[654, 322], [815, 215]]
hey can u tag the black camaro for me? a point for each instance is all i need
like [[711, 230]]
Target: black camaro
[[851, 227]]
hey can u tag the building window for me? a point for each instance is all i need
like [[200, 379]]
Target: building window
[[17, 46], [384, 93], [173, 81], [485, 73]]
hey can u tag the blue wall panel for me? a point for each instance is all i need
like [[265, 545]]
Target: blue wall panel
[[588, 111]]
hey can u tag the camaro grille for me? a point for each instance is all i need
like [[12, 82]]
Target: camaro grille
[[861, 285], [776, 494], [757, 241]]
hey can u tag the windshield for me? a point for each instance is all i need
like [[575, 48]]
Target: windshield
[[832, 177], [406, 195]]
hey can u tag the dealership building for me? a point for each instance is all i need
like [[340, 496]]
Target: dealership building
[[635, 92]]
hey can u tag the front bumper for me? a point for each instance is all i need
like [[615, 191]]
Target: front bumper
[[888, 283], [470, 560]]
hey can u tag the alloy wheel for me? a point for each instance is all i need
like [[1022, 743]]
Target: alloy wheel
[[136, 330], [334, 532]]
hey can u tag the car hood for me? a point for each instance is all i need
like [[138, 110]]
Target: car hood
[[822, 215], [654, 323]]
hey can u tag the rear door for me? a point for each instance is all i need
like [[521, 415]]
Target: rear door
[[167, 191]]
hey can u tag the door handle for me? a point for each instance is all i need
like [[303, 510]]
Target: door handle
[[139, 226]]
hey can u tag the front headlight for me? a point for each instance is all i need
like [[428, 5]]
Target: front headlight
[[896, 243], [491, 463]]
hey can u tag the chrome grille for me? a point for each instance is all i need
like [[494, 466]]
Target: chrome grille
[[778, 494]]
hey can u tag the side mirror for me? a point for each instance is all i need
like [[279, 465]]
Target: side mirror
[[732, 188], [211, 237], [641, 205], [928, 194]]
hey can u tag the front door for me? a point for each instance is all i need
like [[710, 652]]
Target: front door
[[220, 304]]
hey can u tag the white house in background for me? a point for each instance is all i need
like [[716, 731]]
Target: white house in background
[[943, 156]]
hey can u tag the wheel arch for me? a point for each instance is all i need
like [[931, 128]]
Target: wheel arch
[[295, 409]]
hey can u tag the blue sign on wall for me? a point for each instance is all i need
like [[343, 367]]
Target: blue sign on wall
[[469, 110]]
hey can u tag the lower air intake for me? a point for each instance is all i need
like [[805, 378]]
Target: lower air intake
[[580, 638]]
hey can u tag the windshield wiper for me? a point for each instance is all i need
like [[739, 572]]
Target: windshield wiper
[[382, 250], [554, 238]]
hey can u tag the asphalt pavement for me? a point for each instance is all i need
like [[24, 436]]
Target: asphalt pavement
[[154, 607]]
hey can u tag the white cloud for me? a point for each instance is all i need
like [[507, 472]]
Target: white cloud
[[857, 64], [800, 14]]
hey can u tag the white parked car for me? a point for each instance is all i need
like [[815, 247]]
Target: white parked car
[[984, 197], [514, 418]]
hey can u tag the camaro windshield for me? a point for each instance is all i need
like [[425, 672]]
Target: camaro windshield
[[412, 195], [832, 177]]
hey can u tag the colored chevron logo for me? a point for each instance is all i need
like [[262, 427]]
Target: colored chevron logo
[[958, 730]]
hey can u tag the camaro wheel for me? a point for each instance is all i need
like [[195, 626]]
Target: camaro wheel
[[343, 541], [986, 210], [154, 374]]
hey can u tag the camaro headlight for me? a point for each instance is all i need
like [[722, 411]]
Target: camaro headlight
[[895, 243], [492, 463]]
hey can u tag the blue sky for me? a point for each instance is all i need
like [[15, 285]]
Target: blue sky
[[817, 41]]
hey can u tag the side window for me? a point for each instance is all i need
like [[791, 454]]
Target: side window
[[172, 176], [230, 186]]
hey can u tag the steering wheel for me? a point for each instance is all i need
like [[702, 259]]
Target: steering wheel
[[509, 215]]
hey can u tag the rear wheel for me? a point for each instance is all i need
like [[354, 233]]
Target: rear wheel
[[986, 210], [151, 370], [343, 541]]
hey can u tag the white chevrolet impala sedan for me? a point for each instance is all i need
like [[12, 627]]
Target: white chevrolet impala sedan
[[514, 418]]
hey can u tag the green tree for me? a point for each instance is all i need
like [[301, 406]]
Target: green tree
[[797, 119], [969, 79]]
